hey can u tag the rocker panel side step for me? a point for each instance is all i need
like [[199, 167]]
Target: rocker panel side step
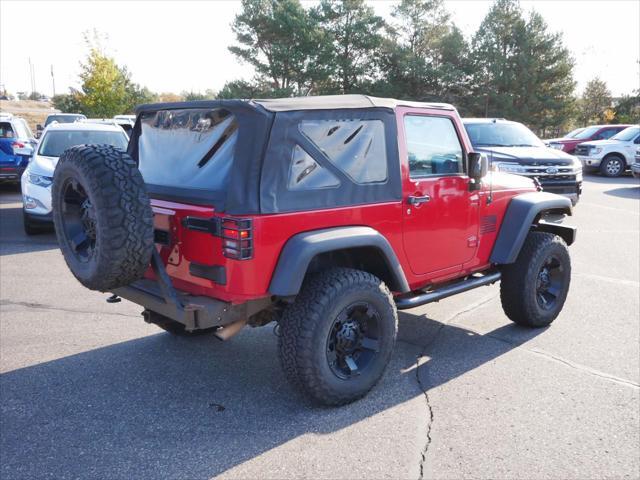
[[464, 285]]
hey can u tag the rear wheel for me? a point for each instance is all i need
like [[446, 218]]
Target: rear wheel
[[534, 288], [338, 336], [613, 166]]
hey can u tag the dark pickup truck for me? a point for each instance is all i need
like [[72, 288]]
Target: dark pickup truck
[[513, 148]]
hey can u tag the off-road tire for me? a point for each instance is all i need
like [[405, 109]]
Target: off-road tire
[[519, 284], [123, 219], [306, 324], [607, 161]]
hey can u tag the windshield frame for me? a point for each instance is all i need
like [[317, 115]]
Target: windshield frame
[[43, 141]]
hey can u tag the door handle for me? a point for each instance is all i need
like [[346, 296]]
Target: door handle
[[418, 200]]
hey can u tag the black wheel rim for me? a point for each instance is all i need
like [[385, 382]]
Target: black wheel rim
[[549, 283], [353, 342], [79, 220]]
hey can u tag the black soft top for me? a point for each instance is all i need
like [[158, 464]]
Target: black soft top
[[324, 102], [266, 135]]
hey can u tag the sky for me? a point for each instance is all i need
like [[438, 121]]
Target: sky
[[172, 46]]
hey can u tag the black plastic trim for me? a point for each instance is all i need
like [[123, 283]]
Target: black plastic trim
[[520, 217], [302, 248], [567, 232], [447, 291], [215, 273]]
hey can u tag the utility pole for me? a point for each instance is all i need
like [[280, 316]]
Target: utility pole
[[53, 80], [32, 76]]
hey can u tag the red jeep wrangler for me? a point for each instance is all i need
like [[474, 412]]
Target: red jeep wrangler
[[323, 214]]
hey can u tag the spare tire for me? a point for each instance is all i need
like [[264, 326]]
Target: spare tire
[[102, 215]]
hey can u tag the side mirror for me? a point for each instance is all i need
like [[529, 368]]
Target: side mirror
[[478, 166], [24, 151]]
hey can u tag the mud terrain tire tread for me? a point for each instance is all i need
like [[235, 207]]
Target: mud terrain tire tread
[[519, 280], [298, 340], [124, 240]]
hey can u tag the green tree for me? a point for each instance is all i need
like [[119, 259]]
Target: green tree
[[426, 56], [282, 42], [104, 86], [137, 95], [521, 71], [244, 89], [191, 96], [351, 42], [627, 109], [68, 102], [595, 100]]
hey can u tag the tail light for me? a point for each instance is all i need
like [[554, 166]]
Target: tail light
[[237, 238], [17, 145]]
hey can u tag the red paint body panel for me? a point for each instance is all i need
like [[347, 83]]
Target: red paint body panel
[[435, 242]]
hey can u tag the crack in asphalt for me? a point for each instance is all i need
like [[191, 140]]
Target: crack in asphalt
[[420, 361], [42, 306], [556, 358]]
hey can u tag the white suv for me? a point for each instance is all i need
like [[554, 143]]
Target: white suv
[[38, 176], [611, 156]]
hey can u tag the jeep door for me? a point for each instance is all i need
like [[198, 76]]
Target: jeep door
[[440, 213]]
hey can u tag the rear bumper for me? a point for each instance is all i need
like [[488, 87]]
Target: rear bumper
[[194, 312]]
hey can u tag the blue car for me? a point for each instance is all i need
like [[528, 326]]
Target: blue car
[[16, 145]]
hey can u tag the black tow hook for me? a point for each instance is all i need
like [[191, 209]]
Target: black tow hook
[[114, 299]]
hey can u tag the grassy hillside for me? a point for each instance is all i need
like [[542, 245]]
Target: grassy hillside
[[33, 112]]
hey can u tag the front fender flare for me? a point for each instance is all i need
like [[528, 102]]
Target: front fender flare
[[522, 212], [302, 248]]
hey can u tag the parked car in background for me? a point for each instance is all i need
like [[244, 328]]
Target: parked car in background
[[612, 157], [635, 166], [591, 133], [38, 176], [571, 134], [16, 146], [131, 118], [513, 148], [59, 118], [126, 125]]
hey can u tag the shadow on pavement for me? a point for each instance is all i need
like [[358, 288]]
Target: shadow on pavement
[[169, 407], [632, 192], [14, 240]]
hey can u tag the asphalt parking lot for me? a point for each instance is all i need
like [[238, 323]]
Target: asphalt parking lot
[[88, 390]]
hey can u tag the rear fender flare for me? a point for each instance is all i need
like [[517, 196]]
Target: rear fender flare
[[300, 250], [521, 216]]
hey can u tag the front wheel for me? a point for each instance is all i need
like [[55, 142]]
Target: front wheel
[[612, 166], [534, 288], [336, 339]]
